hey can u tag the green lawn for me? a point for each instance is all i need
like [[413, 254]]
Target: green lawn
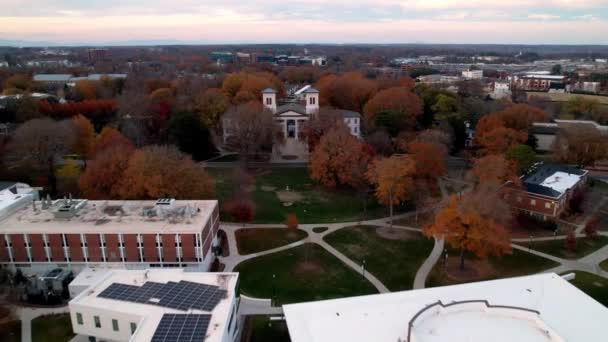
[[253, 240], [304, 273], [593, 285], [518, 263], [55, 328], [10, 331], [393, 261], [312, 204], [264, 330], [604, 265], [584, 246]]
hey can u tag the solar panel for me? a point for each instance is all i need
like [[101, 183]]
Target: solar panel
[[181, 327], [183, 296]]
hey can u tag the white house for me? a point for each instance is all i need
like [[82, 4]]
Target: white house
[[292, 117], [543, 307], [155, 305], [472, 74]]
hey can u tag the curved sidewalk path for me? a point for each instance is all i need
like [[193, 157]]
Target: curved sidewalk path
[[426, 268]]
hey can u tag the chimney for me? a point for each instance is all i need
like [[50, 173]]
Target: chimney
[[269, 99], [312, 100]]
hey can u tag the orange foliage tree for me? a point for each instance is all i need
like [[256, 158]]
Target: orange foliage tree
[[430, 159], [398, 101], [333, 158], [109, 137], [84, 135], [349, 91], [163, 171], [242, 87], [499, 139], [470, 224], [520, 117], [102, 175], [393, 178], [495, 169]]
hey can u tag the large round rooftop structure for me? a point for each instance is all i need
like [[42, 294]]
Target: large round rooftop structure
[[479, 321]]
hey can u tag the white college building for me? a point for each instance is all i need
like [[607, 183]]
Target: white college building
[[154, 305], [292, 116]]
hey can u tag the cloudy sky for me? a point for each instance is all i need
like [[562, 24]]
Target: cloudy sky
[[307, 21]]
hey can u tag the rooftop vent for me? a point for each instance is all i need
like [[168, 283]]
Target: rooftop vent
[[68, 208], [165, 201]]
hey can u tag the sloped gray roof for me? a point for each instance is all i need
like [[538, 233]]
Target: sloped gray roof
[[348, 113], [269, 91], [294, 107], [311, 90]]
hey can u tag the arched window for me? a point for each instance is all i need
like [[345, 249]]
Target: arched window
[[291, 128]]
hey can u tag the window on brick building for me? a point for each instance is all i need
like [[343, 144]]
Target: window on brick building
[[533, 202]]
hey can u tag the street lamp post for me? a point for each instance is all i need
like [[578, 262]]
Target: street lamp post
[[274, 288]]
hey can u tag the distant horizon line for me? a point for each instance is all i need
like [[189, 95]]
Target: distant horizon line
[[17, 43]]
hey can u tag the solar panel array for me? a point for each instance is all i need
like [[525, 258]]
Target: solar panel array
[[181, 327], [184, 295]]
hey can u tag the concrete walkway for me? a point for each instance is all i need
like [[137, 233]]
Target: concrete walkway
[[27, 314], [426, 268]]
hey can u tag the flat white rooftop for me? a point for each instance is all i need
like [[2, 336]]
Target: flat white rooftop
[[537, 308], [152, 314], [561, 181], [111, 217]]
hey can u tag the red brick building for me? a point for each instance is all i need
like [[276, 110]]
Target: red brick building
[[546, 192], [132, 234]]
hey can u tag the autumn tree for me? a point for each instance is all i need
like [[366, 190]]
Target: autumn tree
[[252, 129], [333, 157], [494, 138], [400, 102], [495, 169], [580, 145], [86, 90], [241, 209], [19, 82], [243, 87], [163, 171], [570, 242], [430, 159], [523, 156], [321, 123], [476, 222], [349, 91], [84, 134], [591, 228], [211, 104], [191, 135], [38, 144], [109, 137], [292, 223], [520, 117], [101, 177], [393, 178]]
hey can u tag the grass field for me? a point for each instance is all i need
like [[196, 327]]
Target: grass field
[[255, 240], [604, 265], [309, 201], [563, 97], [594, 286], [55, 328], [393, 261], [303, 273], [518, 263], [584, 246]]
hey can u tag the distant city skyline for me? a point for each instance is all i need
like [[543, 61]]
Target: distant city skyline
[[305, 21]]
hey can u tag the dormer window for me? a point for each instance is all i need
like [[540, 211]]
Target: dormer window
[[269, 100], [312, 100]]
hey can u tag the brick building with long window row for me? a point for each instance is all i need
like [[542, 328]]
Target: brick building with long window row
[[75, 234]]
